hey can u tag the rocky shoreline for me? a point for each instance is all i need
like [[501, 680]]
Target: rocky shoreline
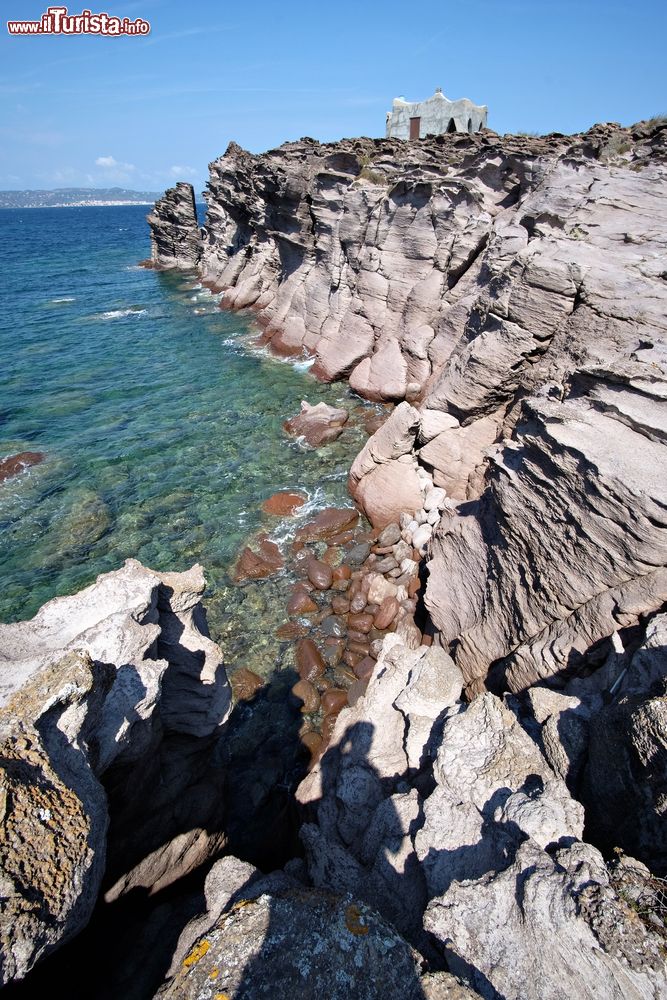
[[460, 789]]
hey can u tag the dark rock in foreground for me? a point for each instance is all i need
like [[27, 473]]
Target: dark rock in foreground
[[302, 943]]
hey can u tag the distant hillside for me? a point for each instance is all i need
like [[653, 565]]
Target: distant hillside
[[68, 197]]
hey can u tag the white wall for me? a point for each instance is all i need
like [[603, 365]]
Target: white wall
[[436, 114]]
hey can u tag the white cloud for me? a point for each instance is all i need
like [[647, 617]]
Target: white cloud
[[111, 163], [182, 171], [114, 170]]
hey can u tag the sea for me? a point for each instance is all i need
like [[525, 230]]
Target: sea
[[161, 422]]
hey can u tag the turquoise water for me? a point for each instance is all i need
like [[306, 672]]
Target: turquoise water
[[162, 426]]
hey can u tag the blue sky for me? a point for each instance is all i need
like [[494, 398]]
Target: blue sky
[[144, 112]]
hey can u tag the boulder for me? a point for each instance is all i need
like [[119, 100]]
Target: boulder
[[274, 943], [318, 425], [284, 503], [546, 927], [259, 562]]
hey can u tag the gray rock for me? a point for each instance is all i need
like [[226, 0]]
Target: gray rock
[[546, 929], [389, 535], [82, 693], [175, 236], [300, 942], [53, 810]]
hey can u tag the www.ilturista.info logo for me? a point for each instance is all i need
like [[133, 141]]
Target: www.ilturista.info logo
[[57, 21]]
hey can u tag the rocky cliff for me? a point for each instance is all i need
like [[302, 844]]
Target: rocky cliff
[[512, 290], [505, 734]]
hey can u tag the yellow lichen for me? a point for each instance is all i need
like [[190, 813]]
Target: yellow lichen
[[214, 973], [197, 952], [241, 903], [354, 920], [221, 996]]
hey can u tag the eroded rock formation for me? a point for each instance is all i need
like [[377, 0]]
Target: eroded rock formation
[[514, 288], [509, 294], [175, 237], [92, 684], [448, 819]]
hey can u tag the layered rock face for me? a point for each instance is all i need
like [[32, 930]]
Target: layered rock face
[[93, 683], [512, 289], [175, 237]]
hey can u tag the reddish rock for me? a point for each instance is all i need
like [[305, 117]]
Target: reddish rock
[[352, 658], [340, 605], [354, 636], [245, 684], [361, 622], [318, 424], [314, 744], [284, 503], [427, 640], [386, 613], [328, 724], [343, 538], [334, 701], [259, 563], [358, 603], [300, 602], [414, 586], [290, 630], [373, 422], [13, 464], [364, 668], [363, 648], [332, 556], [342, 572], [309, 660], [327, 524], [307, 695], [320, 574]]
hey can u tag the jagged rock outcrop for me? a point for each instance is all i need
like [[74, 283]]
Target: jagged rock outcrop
[[624, 784], [514, 289], [175, 236], [451, 823], [92, 683]]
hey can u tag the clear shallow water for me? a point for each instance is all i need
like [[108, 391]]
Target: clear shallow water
[[162, 427]]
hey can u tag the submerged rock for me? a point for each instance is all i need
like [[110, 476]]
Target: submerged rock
[[14, 464], [320, 424], [284, 503], [263, 560]]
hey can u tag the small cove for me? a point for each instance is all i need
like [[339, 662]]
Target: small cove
[[161, 424]]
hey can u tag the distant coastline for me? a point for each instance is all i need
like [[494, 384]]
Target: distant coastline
[[76, 198]]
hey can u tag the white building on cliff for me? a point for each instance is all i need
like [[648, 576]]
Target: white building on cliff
[[433, 116]]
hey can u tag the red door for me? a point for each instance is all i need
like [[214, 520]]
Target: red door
[[414, 127]]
